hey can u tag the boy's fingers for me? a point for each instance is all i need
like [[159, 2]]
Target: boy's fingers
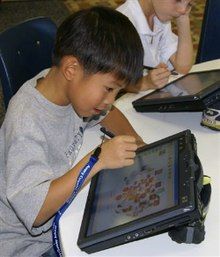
[[164, 74], [128, 139], [130, 155], [159, 71], [162, 65], [129, 162], [131, 147]]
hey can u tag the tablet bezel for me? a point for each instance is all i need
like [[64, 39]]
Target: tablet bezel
[[186, 209]]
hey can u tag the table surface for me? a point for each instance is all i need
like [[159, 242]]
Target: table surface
[[152, 127]]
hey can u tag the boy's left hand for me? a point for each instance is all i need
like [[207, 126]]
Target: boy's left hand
[[155, 78], [181, 19]]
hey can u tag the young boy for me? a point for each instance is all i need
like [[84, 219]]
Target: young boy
[[163, 49], [43, 129]]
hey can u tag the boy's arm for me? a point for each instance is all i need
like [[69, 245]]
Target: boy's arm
[[115, 153], [59, 191], [182, 60], [117, 123]]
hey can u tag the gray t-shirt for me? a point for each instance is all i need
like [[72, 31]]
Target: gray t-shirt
[[39, 141]]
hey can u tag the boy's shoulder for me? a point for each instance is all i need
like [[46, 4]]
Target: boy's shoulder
[[130, 8], [134, 12], [22, 104]]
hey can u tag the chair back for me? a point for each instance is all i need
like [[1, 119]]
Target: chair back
[[25, 50], [209, 44]]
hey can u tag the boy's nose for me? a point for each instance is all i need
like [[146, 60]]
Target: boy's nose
[[110, 98]]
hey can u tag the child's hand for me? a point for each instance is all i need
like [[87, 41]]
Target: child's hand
[[118, 152], [185, 15], [156, 78]]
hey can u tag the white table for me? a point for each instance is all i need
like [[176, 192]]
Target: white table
[[152, 127]]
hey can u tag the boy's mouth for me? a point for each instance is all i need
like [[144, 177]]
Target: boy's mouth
[[97, 111]]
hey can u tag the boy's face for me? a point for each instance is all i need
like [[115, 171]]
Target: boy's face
[[166, 10], [91, 94]]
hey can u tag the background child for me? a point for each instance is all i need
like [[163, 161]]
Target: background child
[[43, 128], [162, 48]]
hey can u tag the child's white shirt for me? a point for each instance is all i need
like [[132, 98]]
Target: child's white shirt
[[160, 44]]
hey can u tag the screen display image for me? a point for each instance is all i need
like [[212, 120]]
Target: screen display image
[[188, 85], [147, 187]]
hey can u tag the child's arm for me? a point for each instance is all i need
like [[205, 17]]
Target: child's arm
[[115, 153], [156, 78], [182, 60]]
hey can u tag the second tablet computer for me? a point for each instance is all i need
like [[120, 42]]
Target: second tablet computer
[[193, 92], [155, 194]]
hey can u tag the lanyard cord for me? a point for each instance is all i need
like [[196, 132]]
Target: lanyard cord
[[80, 180]]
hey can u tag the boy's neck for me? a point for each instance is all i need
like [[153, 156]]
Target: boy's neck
[[147, 7], [148, 11], [52, 87]]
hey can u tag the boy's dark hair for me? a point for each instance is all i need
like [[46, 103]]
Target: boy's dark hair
[[103, 40]]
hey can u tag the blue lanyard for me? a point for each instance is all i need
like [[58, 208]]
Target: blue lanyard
[[80, 180]]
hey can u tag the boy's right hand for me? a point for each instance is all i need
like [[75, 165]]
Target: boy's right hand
[[118, 152], [156, 78]]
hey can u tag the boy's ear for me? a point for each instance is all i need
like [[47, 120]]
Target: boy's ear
[[70, 66]]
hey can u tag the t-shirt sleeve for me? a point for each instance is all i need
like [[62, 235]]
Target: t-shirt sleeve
[[28, 176], [168, 44]]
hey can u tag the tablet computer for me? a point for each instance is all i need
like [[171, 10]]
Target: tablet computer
[[155, 194], [193, 92]]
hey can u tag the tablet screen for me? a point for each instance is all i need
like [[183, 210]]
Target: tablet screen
[[191, 84], [127, 194]]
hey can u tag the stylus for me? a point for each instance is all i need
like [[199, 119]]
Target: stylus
[[173, 72], [106, 132]]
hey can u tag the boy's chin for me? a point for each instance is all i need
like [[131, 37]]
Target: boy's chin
[[92, 113], [164, 19]]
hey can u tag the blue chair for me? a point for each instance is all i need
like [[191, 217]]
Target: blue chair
[[25, 50], [209, 45]]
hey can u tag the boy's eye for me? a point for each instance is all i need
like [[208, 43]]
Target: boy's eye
[[109, 89]]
